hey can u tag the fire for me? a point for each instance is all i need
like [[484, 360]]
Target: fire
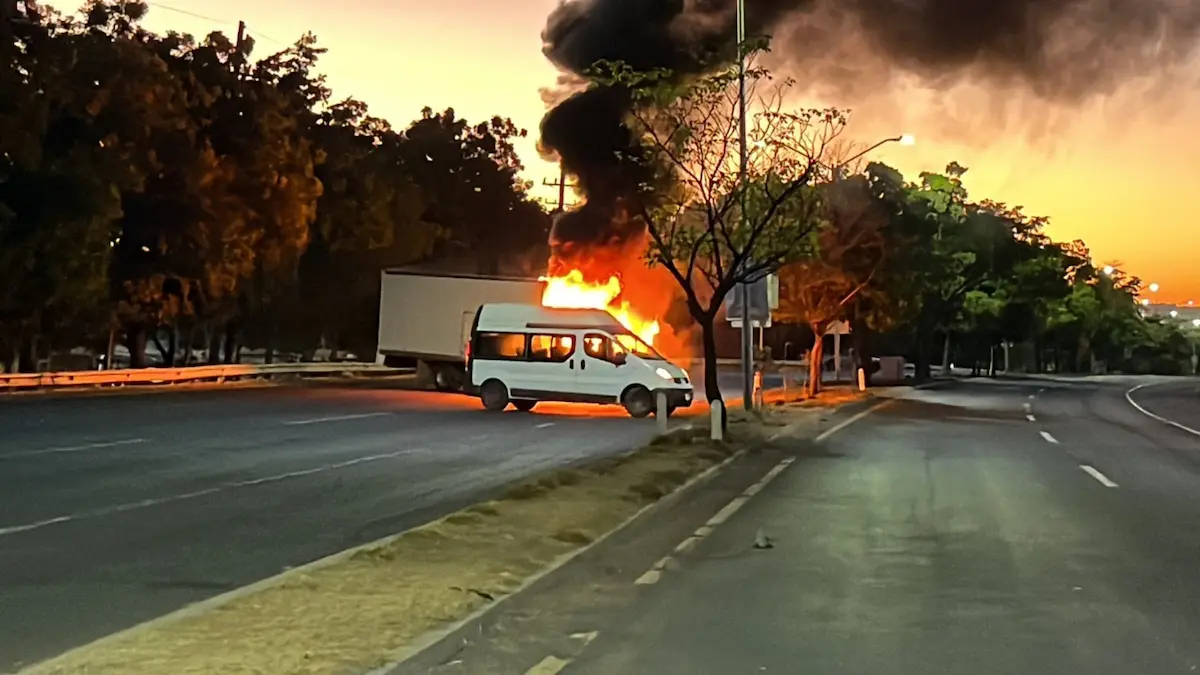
[[572, 291]]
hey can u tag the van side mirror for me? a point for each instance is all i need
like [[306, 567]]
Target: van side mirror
[[619, 358]]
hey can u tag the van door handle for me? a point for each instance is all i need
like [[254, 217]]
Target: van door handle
[[572, 364], [582, 364]]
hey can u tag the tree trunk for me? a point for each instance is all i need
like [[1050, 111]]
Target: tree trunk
[[712, 379], [27, 360], [816, 355], [946, 354], [136, 342], [214, 345], [231, 346]]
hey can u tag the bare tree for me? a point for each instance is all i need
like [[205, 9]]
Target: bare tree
[[710, 229]]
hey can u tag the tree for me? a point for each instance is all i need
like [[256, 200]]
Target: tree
[[819, 290], [709, 229]]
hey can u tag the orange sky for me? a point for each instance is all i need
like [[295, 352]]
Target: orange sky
[[1121, 174]]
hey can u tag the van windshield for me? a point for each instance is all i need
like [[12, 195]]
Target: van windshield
[[634, 345]]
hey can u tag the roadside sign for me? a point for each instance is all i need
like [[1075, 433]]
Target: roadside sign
[[764, 297]]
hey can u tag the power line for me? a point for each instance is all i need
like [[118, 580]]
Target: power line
[[213, 19]]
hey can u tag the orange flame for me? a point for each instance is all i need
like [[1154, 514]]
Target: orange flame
[[572, 291]]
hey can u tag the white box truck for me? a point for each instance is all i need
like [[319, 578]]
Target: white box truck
[[425, 319]]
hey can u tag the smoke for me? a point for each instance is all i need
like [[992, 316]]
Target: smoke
[[1063, 53]]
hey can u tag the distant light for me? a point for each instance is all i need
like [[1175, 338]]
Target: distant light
[[907, 139], [1145, 302], [1174, 314], [145, 249], [1153, 288], [1196, 323], [1109, 269], [1191, 303]]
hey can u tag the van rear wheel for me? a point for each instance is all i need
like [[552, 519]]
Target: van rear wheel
[[524, 404], [494, 395], [638, 402]]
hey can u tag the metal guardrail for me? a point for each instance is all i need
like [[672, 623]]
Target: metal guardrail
[[152, 376]]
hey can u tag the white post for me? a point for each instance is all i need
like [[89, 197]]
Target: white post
[[717, 414], [862, 379], [660, 412]]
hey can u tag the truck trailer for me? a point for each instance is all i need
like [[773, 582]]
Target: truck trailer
[[425, 319]]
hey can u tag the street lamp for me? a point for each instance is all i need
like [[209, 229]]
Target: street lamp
[[1153, 288], [743, 182], [1108, 270]]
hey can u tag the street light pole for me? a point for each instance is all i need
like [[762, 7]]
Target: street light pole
[[743, 181]]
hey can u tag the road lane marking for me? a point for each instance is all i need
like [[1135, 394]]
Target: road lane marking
[[543, 426], [1027, 407], [1031, 418], [654, 574], [1049, 439], [549, 666], [338, 418], [224, 487], [1104, 480], [845, 423], [73, 448], [1160, 418]]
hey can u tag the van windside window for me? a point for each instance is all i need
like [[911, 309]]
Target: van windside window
[[500, 346], [553, 348]]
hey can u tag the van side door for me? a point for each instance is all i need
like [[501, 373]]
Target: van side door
[[550, 370], [599, 372]]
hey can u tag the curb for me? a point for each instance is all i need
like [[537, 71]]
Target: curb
[[434, 638]]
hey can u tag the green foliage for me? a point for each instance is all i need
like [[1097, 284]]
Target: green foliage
[[164, 184]]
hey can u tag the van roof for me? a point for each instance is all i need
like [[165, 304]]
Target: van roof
[[517, 316]]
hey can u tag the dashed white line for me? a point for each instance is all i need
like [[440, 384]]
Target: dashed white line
[[654, 574], [73, 448], [1031, 418], [549, 666], [146, 503], [1027, 407], [1094, 473], [338, 418], [543, 426], [1049, 439]]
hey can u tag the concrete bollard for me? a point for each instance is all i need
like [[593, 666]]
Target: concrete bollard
[[717, 414], [661, 412], [862, 380]]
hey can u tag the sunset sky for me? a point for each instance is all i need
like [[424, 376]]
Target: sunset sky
[[1122, 173]]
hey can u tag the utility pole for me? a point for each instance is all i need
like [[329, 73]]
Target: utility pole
[[239, 49], [747, 329], [561, 184]]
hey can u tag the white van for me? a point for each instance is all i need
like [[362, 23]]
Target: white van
[[522, 354]]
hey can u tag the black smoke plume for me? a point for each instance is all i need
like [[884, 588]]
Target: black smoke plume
[[1060, 51]]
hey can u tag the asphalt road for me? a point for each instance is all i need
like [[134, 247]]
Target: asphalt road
[[118, 509], [1027, 527]]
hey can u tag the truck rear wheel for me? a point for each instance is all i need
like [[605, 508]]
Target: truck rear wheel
[[494, 395], [447, 377], [638, 402]]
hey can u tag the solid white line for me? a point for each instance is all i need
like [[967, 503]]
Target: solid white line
[[146, 503], [1031, 418], [1049, 439], [1160, 418], [833, 430], [1104, 480], [74, 448], [543, 426], [339, 418]]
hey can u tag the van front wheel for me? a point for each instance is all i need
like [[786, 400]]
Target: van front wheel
[[494, 395], [638, 402]]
